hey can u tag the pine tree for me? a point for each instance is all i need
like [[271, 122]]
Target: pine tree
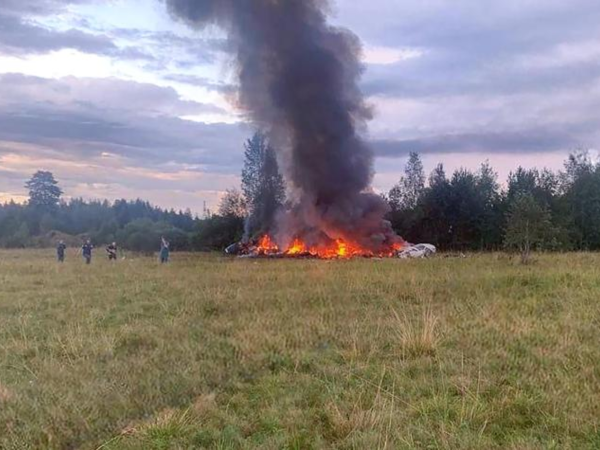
[[254, 151], [490, 218], [262, 184], [44, 191], [406, 193], [438, 176], [414, 180]]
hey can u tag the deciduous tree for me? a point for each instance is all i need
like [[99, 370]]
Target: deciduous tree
[[233, 204], [528, 226]]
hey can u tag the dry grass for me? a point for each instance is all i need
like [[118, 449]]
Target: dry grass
[[210, 352], [418, 339], [5, 395]]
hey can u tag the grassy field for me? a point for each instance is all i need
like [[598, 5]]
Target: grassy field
[[210, 352]]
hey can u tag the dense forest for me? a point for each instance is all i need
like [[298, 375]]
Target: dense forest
[[137, 225], [466, 210], [471, 211], [134, 224]]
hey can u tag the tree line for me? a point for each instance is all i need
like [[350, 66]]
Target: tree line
[[137, 225], [462, 211], [465, 210], [47, 218], [469, 210]]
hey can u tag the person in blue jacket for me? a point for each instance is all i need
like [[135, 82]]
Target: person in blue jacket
[[86, 251]]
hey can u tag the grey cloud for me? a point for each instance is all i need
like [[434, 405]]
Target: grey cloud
[[147, 142], [21, 34], [431, 77], [174, 48], [18, 36], [7, 175], [125, 118], [471, 53], [167, 38], [471, 26], [38, 7], [104, 95], [486, 70], [194, 80], [474, 46], [133, 53], [526, 141]]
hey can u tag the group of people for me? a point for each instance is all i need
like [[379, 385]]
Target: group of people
[[111, 251]]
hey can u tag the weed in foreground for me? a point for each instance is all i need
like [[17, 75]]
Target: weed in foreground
[[417, 338]]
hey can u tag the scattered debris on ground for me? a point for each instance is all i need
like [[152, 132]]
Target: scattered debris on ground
[[417, 251], [265, 248]]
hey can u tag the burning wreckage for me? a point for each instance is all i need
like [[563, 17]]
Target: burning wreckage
[[266, 248], [337, 249], [298, 83]]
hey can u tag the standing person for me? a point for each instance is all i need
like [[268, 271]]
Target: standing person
[[86, 251], [111, 250], [164, 251], [60, 251]]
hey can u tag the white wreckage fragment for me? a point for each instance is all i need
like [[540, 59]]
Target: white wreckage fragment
[[417, 251]]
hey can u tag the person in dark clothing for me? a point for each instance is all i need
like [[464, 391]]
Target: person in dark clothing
[[111, 250], [86, 251], [164, 251], [60, 251]]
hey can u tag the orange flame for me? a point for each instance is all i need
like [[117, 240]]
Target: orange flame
[[342, 250], [336, 249], [267, 246], [297, 248]]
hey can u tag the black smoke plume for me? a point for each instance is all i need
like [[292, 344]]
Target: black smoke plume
[[298, 81]]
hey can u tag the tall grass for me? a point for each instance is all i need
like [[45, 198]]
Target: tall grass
[[210, 352], [418, 339]]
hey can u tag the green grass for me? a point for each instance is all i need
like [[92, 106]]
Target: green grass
[[210, 352]]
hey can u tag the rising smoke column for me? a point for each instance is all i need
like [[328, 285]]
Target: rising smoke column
[[299, 81]]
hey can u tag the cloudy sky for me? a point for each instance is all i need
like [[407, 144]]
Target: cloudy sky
[[118, 100]]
